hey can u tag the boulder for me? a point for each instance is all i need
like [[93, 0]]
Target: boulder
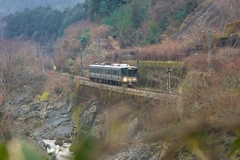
[[87, 117], [59, 142]]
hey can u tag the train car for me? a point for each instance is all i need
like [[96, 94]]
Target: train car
[[118, 74]]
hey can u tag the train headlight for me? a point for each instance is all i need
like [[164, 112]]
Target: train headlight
[[124, 79], [134, 79]]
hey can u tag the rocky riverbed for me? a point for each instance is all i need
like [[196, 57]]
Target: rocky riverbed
[[44, 122]]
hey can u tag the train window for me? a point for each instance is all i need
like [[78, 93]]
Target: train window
[[108, 71], [97, 70], [102, 71], [124, 71], [114, 72], [132, 72], [92, 70]]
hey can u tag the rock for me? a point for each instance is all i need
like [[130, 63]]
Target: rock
[[41, 143], [59, 142], [133, 129], [60, 104], [37, 106], [68, 141], [97, 130], [155, 157], [69, 108], [34, 114], [61, 132], [99, 120], [87, 117], [141, 152], [24, 109]]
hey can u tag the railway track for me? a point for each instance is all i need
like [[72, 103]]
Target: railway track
[[154, 94]]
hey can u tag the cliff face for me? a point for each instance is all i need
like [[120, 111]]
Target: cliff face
[[120, 123], [210, 15]]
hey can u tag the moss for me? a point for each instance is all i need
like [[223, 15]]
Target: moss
[[76, 116], [73, 148]]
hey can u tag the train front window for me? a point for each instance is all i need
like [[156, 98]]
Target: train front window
[[132, 72], [124, 72]]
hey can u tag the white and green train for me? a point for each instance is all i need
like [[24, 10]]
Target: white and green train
[[118, 74]]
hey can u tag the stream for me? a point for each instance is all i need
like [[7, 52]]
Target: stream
[[62, 152]]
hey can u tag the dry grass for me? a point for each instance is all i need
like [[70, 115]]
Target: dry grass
[[56, 83]]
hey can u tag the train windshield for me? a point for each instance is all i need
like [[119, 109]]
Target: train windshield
[[130, 72], [124, 72]]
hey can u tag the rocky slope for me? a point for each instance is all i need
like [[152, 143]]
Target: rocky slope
[[37, 120], [210, 15]]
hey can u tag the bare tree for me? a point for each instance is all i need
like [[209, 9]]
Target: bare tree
[[19, 65]]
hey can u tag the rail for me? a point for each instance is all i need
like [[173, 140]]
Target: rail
[[154, 94]]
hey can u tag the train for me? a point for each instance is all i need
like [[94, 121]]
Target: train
[[115, 74]]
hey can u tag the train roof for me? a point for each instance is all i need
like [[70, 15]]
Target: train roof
[[108, 65]]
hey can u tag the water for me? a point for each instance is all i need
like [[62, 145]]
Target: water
[[62, 153]]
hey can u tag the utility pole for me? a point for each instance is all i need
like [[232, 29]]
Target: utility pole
[[81, 65], [137, 45], [210, 32], [99, 51], [169, 70]]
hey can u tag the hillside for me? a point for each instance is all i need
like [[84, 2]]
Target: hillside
[[210, 15], [198, 118], [12, 6]]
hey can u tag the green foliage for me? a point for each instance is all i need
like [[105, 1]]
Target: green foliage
[[11, 6], [103, 7], [3, 152], [30, 152], [85, 149], [156, 29], [184, 12], [69, 66], [98, 9], [235, 146], [42, 23], [72, 83], [124, 20], [162, 24], [71, 16], [138, 12], [119, 20], [85, 37], [34, 23]]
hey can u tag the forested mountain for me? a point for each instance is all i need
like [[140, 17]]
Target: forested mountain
[[152, 17], [155, 20], [42, 24], [11, 6], [122, 17]]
